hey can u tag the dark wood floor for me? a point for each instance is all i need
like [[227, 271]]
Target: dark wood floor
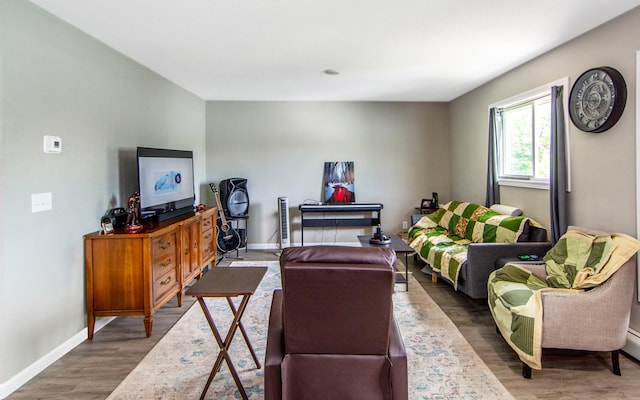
[[94, 369]]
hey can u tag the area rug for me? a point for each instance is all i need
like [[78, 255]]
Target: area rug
[[441, 363]]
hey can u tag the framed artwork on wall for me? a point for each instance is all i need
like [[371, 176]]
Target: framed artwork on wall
[[338, 182]]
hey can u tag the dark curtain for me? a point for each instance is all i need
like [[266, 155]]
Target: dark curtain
[[493, 190], [559, 168]]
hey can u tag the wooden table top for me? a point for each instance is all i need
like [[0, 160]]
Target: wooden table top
[[228, 282]]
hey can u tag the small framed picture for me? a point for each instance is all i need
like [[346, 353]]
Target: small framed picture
[[107, 228], [426, 203]]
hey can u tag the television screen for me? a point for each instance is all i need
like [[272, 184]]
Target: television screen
[[165, 180]]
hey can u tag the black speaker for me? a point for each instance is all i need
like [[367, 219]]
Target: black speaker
[[234, 197]]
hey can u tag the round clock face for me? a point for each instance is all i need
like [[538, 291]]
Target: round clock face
[[597, 99]]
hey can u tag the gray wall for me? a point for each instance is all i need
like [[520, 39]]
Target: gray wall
[[58, 81], [602, 165], [400, 152]]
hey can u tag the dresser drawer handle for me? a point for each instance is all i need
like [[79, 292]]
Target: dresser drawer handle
[[207, 236], [207, 223], [165, 244], [166, 281], [167, 262]]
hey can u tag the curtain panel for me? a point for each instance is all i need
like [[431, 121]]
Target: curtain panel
[[559, 168], [493, 189]]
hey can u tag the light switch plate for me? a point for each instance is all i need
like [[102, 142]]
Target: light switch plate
[[41, 202]]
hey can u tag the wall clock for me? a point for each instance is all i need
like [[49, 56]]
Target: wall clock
[[597, 99]]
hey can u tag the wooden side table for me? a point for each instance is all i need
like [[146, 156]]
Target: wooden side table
[[400, 247], [228, 282]]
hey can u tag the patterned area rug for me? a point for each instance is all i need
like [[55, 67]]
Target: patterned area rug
[[442, 365]]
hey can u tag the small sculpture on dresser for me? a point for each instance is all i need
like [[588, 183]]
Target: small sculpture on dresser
[[133, 220]]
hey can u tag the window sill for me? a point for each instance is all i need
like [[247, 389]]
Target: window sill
[[524, 183]]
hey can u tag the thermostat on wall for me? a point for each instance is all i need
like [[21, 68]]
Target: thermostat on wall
[[52, 144]]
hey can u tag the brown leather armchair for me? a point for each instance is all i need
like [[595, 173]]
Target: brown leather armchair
[[332, 334]]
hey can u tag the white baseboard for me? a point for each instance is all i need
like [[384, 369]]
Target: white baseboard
[[633, 344], [24, 376]]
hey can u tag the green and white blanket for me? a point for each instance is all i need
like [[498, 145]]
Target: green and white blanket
[[577, 262], [443, 237]]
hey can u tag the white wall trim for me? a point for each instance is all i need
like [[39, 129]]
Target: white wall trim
[[633, 344], [525, 183], [24, 376]]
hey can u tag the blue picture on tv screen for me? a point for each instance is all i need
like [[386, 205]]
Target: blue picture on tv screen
[[167, 182], [163, 180]]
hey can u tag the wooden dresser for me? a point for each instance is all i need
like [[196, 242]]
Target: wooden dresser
[[136, 274]]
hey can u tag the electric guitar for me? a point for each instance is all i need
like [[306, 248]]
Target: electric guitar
[[227, 239]]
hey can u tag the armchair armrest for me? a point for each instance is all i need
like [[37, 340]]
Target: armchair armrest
[[481, 261], [538, 268], [274, 352], [490, 252], [398, 357]]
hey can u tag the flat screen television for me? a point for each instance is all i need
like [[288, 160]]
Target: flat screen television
[[165, 182]]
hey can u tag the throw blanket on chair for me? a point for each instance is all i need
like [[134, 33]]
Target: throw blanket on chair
[[576, 263]]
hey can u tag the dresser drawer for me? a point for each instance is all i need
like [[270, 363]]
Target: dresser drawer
[[164, 245], [207, 222], [163, 265], [166, 284], [208, 243]]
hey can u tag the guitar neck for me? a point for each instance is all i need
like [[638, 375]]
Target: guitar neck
[[220, 210]]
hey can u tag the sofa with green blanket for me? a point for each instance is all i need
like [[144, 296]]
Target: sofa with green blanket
[[462, 241], [578, 298]]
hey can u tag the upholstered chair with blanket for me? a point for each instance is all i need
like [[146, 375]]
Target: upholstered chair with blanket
[[580, 298], [331, 331]]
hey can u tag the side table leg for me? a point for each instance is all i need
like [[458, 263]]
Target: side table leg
[[406, 269], [224, 345], [244, 334]]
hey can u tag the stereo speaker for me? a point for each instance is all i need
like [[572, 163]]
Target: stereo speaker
[[234, 197]]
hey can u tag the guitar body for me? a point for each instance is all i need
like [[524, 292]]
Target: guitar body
[[228, 239]]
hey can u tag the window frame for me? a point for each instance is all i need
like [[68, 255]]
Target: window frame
[[528, 96]]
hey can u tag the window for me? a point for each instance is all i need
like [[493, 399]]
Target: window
[[523, 138], [523, 133]]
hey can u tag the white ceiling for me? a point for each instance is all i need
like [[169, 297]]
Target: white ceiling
[[400, 50]]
